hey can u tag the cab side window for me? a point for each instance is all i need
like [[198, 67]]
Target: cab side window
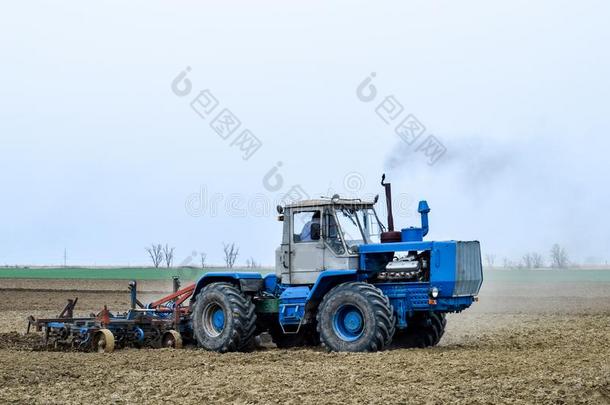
[[306, 226]]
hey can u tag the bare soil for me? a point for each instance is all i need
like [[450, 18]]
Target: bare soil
[[520, 344]]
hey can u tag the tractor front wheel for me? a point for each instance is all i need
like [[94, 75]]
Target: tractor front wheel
[[355, 317], [223, 319]]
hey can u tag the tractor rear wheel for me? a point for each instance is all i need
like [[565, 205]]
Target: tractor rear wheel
[[424, 330], [223, 319], [356, 317]]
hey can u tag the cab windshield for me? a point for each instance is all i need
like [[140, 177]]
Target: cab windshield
[[358, 225]]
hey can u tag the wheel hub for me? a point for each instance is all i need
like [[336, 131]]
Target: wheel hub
[[213, 319], [218, 319], [353, 321], [348, 323], [101, 344]]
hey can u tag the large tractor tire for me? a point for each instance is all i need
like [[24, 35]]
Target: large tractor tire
[[355, 317], [424, 330], [224, 319]]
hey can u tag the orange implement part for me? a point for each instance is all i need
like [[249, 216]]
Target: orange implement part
[[104, 316], [178, 297]]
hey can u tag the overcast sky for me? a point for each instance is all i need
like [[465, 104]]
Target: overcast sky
[[102, 154]]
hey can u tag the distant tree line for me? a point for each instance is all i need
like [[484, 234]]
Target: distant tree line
[[164, 255], [160, 254], [558, 258]]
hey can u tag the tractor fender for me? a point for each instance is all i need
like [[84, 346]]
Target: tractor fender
[[326, 281], [246, 282]]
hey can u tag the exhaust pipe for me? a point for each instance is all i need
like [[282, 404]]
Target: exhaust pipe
[[388, 201], [390, 235], [408, 234]]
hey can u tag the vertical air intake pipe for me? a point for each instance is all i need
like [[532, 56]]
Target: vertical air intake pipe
[[423, 210]]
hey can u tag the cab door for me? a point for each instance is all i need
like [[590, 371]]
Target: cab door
[[336, 256], [307, 247]]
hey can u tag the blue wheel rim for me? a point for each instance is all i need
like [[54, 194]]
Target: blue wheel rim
[[348, 323], [213, 319], [218, 319], [139, 334]]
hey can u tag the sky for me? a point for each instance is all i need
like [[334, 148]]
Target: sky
[[112, 136]]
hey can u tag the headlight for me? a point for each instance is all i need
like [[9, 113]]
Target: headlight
[[434, 292]]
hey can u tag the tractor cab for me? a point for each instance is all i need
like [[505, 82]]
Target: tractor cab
[[324, 234]]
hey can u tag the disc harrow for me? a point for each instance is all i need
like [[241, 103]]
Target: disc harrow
[[163, 323]]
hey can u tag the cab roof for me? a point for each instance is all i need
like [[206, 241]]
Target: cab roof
[[354, 202]]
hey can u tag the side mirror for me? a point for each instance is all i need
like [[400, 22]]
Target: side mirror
[[315, 231]]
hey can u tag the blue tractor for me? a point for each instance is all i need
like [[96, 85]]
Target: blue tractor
[[343, 280]]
